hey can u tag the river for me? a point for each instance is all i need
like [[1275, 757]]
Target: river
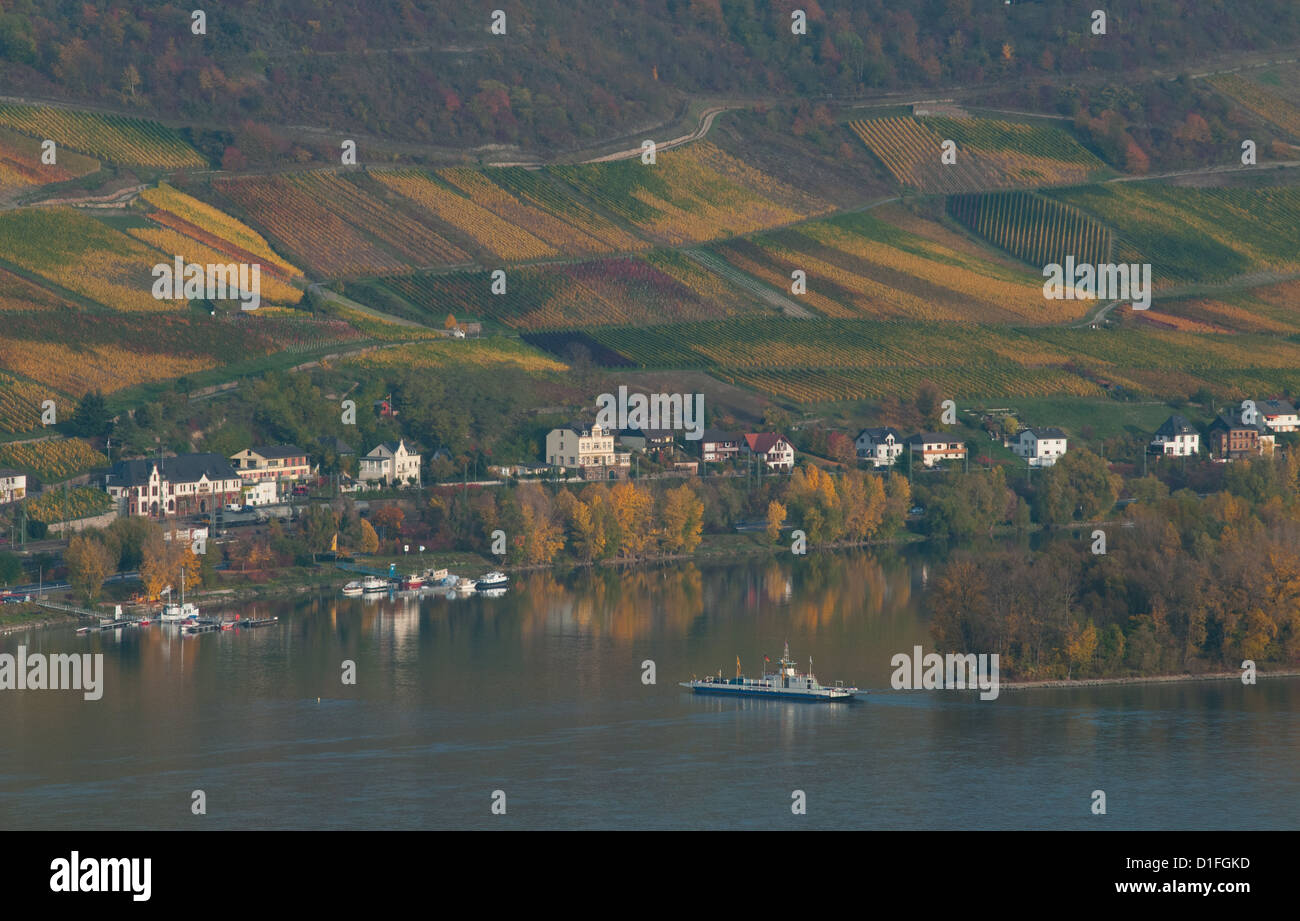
[[540, 695]]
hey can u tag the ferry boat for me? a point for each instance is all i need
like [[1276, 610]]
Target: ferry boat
[[785, 683], [492, 580]]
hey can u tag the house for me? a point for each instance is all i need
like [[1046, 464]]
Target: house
[[13, 486], [264, 492], [1041, 447], [590, 448], [187, 484], [1230, 438], [1279, 415], [881, 446], [935, 447], [717, 445], [646, 440], [1176, 437], [772, 448], [275, 463], [391, 463]]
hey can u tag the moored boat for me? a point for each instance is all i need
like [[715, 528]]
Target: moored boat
[[372, 585], [353, 588], [492, 580]]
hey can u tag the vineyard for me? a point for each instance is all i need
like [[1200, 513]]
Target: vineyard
[[212, 226], [83, 255], [1034, 229], [68, 505], [1265, 310], [657, 289], [478, 353], [500, 236], [1267, 105], [171, 243], [548, 195], [990, 154], [52, 460], [20, 404], [17, 293], [815, 360], [1196, 234], [861, 265], [691, 194], [332, 225], [108, 137], [21, 167]]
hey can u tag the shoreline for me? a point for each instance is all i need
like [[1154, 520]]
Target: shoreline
[[1140, 679]]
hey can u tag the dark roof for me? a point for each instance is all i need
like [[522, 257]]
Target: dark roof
[[715, 436], [931, 437], [1232, 420], [183, 468], [1045, 431], [342, 447], [279, 451], [9, 471], [1176, 425], [1276, 407], [879, 433]]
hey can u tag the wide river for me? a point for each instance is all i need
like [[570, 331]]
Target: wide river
[[540, 695]]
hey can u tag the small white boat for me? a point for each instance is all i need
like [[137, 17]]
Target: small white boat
[[175, 613], [372, 585], [465, 586], [492, 580], [353, 588]]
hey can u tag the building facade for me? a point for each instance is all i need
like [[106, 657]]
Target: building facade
[[1040, 447], [391, 463], [1176, 437], [187, 484], [13, 486], [880, 446]]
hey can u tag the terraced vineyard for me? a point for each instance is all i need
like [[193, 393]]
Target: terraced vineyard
[[21, 167], [20, 404], [54, 459], [213, 227], [332, 225], [479, 353], [990, 154], [1266, 104], [691, 194], [860, 265], [109, 137], [68, 505], [662, 288], [815, 360], [1034, 229], [1196, 234]]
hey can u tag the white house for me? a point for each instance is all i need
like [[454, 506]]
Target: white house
[[261, 493], [776, 452], [13, 486], [391, 462], [1279, 415], [1177, 437], [881, 446], [935, 447], [587, 447], [1040, 446]]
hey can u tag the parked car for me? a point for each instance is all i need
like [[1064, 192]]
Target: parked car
[[300, 490]]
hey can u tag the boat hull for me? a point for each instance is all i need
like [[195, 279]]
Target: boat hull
[[823, 695]]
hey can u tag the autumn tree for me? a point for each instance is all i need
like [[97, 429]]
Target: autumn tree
[[683, 520], [369, 539], [89, 563], [776, 513]]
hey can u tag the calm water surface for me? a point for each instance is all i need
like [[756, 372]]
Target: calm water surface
[[539, 694]]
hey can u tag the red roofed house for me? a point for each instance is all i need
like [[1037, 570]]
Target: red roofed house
[[772, 447]]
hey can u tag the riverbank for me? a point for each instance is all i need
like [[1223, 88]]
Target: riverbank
[[1142, 679], [28, 616]]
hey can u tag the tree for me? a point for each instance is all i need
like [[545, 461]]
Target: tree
[[633, 509], [91, 418], [776, 513], [11, 568], [89, 563], [319, 526], [369, 539], [683, 520]]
